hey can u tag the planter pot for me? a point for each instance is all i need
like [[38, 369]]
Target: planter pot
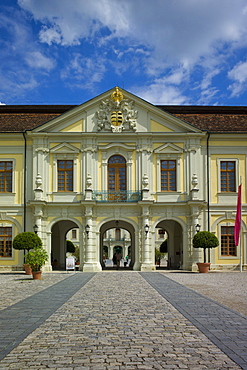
[[27, 269], [203, 267], [36, 275]]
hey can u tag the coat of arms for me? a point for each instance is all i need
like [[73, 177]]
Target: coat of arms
[[116, 114]]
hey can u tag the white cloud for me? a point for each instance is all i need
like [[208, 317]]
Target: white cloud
[[157, 35], [21, 58], [175, 47], [16, 84], [181, 32], [161, 92], [84, 71], [36, 59], [239, 75]]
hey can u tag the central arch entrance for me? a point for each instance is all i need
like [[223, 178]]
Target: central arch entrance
[[117, 237]]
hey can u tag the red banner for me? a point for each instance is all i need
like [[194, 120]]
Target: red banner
[[237, 227]]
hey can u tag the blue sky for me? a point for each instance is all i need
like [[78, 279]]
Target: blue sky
[[191, 52]]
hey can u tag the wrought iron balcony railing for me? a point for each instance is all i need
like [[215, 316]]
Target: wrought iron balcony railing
[[117, 196]]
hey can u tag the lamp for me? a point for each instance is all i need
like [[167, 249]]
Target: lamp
[[146, 228], [87, 229], [35, 229], [198, 228]]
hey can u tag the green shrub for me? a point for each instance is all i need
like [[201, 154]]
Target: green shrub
[[26, 241], [163, 247], [70, 247], [36, 258], [205, 240]]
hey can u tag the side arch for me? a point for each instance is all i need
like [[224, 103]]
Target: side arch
[[177, 253], [56, 234]]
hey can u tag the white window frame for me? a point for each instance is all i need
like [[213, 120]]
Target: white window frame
[[13, 175], [4, 224], [236, 160], [126, 153], [169, 157], [237, 248], [64, 157]]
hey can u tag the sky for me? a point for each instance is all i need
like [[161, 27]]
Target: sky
[[182, 52]]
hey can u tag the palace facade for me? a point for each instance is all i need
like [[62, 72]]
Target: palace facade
[[123, 172]]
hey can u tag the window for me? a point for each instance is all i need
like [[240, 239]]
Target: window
[[65, 175], [74, 234], [117, 178], [161, 233], [168, 175], [228, 247], [5, 241], [6, 169], [228, 176], [116, 173], [117, 234]]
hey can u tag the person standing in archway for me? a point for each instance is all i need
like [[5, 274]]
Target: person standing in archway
[[114, 259], [118, 258]]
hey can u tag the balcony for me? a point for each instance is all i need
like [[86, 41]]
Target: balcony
[[125, 196]]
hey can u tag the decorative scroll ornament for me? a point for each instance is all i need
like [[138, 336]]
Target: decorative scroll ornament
[[116, 114]]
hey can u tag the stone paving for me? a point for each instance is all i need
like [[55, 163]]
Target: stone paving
[[226, 287], [112, 320], [223, 326]]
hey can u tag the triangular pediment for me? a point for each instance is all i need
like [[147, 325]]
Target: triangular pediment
[[168, 148], [115, 112], [64, 148]]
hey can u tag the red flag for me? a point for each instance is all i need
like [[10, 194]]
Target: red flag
[[237, 226]]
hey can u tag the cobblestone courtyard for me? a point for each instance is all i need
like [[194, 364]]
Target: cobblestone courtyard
[[123, 320]]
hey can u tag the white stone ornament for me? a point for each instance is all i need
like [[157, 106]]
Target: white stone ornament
[[89, 181], [194, 181], [116, 114]]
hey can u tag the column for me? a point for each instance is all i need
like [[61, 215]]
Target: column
[[147, 263], [91, 263]]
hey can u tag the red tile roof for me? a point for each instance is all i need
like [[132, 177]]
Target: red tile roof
[[213, 119], [18, 118]]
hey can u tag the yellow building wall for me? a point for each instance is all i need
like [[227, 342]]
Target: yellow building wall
[[17, 256], [215, 173], [17, 175], [75, 127], [158, 127], [226, 260]]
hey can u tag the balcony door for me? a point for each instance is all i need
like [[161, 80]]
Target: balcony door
[[116, 177]]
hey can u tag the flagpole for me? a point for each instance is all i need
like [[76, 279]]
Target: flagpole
[[238, 223], [240, 244]]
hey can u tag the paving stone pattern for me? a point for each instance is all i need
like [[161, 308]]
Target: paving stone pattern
[[222, 325], [16, 286], [20, 319], [115, 321], [226, 287]]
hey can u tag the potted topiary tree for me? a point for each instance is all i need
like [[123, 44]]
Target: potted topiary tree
[[205, 240], [70, 247], [25, 241], [36, 258]]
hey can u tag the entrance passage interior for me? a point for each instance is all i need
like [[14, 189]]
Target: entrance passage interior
[[117, 245], [169, 245], [61, 232]]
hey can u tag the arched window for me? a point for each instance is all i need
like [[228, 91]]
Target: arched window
[[116, 173]]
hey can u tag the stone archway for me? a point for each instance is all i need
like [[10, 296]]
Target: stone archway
[[58, 241], [127, 245], [174, 242]]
